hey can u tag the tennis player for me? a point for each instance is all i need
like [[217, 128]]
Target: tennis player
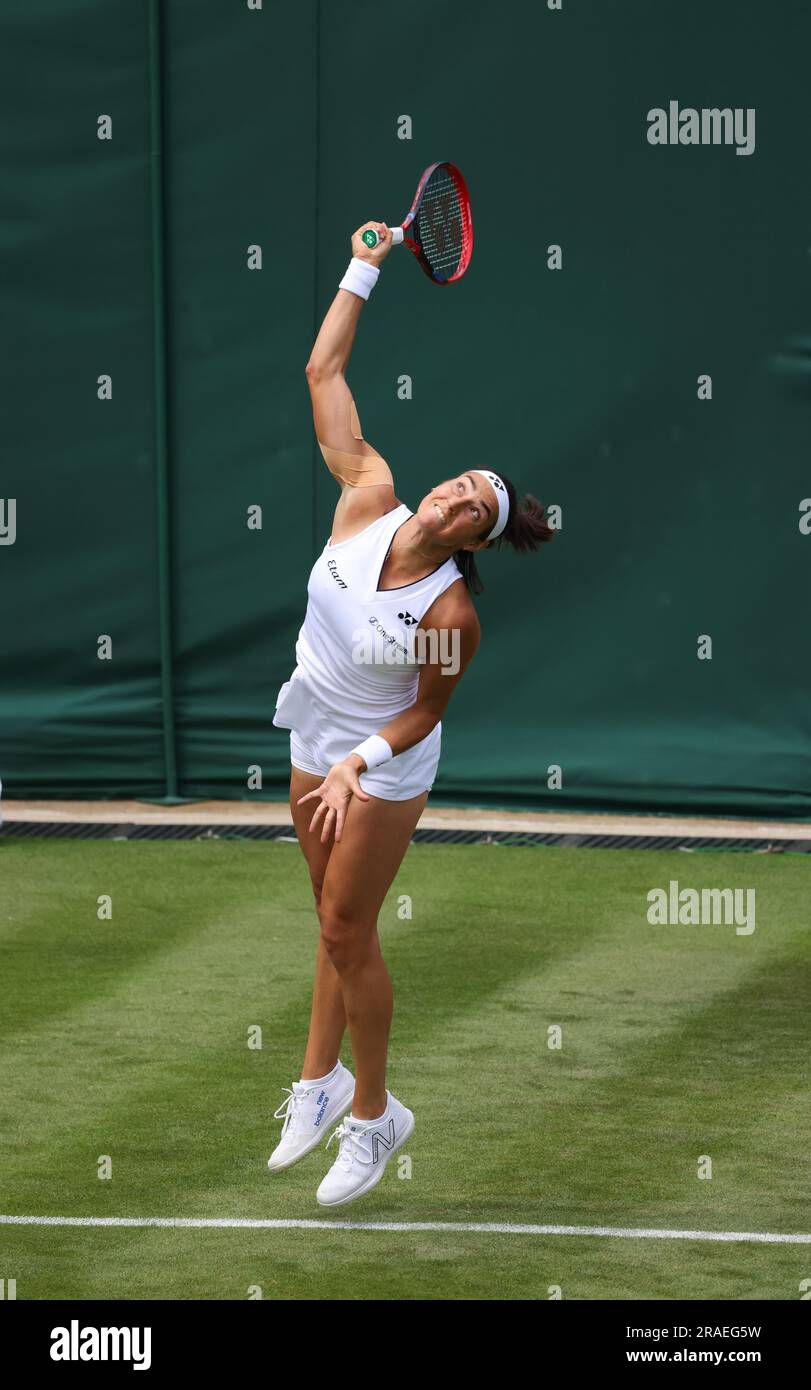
[[364, 707]]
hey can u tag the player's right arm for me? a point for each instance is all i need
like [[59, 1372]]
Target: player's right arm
[[364, 477]]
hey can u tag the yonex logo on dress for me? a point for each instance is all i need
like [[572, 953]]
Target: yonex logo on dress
[[407, 618], [333, 569]]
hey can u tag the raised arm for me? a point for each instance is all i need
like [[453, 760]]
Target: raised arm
[[353, 462]]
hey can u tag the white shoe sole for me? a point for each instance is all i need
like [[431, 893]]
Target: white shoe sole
[[342, 1108], [376, 1177]]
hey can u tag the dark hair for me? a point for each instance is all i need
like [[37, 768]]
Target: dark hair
[[526, 529]]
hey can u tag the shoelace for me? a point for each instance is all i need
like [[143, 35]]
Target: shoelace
[[290, 1109], [349, 1146]]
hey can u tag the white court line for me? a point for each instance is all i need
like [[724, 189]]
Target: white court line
[[483, 1227]]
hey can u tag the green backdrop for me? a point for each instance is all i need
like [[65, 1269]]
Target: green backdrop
[[235, 127]]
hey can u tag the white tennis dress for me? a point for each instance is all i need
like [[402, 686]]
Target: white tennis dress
[[346, 685]]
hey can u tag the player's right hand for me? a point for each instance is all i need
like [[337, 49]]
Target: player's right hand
[[335, 793], [373, 255]]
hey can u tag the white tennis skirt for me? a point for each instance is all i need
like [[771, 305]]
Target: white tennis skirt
[[321, 737]]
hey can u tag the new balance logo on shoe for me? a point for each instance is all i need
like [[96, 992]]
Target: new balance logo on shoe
[[378, 1139], [323, 1101]]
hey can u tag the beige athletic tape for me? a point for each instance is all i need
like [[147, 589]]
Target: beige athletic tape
[[356, 470]]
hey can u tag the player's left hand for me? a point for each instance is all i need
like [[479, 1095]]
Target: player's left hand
[[336, 791]]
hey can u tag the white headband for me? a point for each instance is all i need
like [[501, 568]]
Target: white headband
[[503, 498]]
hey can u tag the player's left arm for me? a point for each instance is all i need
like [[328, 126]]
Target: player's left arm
[[453, 619], [456, 634]]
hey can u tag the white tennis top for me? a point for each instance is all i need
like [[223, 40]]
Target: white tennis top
[[352, 629]]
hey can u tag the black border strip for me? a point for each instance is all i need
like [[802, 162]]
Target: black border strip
[[129, 830]]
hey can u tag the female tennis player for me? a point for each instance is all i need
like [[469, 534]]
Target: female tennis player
[[364, 708]]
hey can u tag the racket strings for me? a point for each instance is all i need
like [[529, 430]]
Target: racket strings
[[439, 224]]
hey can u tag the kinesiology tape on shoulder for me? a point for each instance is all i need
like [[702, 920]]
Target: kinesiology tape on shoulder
[[356, 470]]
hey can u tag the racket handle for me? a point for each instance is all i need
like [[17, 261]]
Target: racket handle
[[370, 237]]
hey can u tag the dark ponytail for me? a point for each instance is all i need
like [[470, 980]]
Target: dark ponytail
[[527, 528]]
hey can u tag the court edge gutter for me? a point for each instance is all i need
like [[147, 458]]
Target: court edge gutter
[[479, 836], [474, 1227]]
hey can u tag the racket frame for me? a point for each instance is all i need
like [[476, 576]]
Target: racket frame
[[467, 222]]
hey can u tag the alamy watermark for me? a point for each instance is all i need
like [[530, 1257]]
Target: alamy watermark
[[375, 645], [77, 1343], [710, 125], [673, 906]]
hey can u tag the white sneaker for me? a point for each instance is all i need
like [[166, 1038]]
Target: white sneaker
[[308, 1113], [364, 1150]]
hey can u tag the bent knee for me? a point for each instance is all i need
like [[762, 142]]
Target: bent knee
[[346, 941]]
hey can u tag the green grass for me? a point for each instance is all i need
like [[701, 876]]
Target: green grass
[[128, 1038]]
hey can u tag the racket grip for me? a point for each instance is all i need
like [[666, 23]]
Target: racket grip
[[371, 238]]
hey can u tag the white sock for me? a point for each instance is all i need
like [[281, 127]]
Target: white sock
[[320, 1080]]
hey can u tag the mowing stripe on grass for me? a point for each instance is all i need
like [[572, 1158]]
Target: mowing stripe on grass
[[485, 1227]]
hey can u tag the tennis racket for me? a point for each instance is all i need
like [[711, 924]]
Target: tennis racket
[[438, 228]]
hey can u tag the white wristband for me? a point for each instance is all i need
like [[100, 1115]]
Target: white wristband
[[374, 751], [360, 277]]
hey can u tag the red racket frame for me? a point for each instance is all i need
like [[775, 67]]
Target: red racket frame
[[467, 222]]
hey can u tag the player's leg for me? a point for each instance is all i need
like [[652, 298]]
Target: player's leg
[[310, 1109], [327, 1015], [359, 873]]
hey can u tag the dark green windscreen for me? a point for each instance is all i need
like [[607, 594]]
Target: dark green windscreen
[[281, 134]]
